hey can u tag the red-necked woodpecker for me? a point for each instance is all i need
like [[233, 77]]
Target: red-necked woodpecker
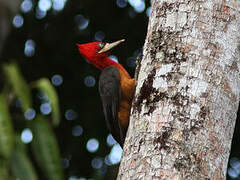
[[116, 87]]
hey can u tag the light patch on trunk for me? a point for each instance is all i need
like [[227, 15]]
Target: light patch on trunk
[[234, 86], [182, 18], [156, 161], [206, 52], [198, 87], [195, 72], [160, 84], [176, 20], [177, 135], [160, 119], [182, 83], [209, 4], [184, 8], [194, 110], [228, 44], [164, 69], [171, 20], [160, 55]]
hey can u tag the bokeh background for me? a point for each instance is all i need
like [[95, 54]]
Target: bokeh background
[[43, 41]]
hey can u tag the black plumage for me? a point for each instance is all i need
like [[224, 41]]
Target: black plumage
[[110, 92]]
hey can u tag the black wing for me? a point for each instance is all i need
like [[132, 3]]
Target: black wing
[[110, 92]]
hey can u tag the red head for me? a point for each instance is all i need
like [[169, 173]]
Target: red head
[[97, 53]]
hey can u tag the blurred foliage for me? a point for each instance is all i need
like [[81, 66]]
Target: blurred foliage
[[45, 149], [43, 44], [18, 85], [13, 153], [46, 87], [4, 170], [6, 129], [21, 165]]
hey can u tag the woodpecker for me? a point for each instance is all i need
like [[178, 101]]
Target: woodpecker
[[116, 87]]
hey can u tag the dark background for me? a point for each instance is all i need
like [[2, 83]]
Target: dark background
[[52, 50]]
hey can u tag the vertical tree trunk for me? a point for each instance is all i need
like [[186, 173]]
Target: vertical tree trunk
[[187, 93]]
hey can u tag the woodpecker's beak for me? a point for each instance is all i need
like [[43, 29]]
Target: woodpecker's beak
[[109, 46]]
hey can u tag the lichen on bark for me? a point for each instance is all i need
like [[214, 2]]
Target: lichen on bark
[[187, 94]]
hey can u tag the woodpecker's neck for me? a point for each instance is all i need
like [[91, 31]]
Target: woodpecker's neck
[[109, 62]]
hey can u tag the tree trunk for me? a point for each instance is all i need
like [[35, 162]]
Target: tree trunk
[[187, 94]]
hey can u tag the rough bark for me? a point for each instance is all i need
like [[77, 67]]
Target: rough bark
[[187, 94]]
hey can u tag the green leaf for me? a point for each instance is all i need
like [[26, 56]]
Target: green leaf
[[21, 165], [19, 85], [6, 129], [45, 149], [4, 175], [46, 87]]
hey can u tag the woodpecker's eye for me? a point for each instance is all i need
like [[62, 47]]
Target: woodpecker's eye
[[101, 45]]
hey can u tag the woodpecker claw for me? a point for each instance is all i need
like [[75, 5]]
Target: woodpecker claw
[[109, 46]]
